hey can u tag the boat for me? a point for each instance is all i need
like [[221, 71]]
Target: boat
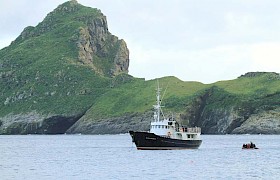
[[249, 146], [166, 133]]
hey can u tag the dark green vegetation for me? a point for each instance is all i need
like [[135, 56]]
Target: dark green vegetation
[[40, 71], [69, 74]]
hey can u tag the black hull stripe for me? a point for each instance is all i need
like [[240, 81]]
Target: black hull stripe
[[165, 148]]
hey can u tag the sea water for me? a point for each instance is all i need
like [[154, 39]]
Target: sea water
[[115, 157]]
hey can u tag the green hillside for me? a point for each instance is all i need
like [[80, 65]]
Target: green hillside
[[218, 108], [139, 96], [41, 71]]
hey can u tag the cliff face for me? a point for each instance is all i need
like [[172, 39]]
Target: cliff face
[[266, 122], [218, 112], [116, 125], [95, 42]]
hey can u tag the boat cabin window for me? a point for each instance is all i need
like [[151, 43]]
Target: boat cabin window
[[169, 123], [165, 127]]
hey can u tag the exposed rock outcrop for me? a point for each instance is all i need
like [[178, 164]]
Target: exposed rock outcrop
[[136, 122], [267, 122], [36, 123], [272, 75], [95, 42], [216, 113]]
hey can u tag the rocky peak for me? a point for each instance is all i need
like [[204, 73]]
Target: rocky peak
[[97, 47], [95, 43], [67, 7], [258, 74], [50, 20]]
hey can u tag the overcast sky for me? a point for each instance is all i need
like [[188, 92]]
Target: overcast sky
[[194, 40]]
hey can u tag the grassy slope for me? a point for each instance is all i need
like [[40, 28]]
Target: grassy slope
[[139, 95], [44, 69], [251, 86]]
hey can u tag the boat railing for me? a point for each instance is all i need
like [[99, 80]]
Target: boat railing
[[190, 130], [194, 130]]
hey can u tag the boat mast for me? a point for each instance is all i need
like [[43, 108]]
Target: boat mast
[[157, 107]]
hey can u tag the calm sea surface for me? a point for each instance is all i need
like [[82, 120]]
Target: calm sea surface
[[115, 157]]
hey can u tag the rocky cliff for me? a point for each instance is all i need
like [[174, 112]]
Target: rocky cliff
[[95, 40], [219, 112]]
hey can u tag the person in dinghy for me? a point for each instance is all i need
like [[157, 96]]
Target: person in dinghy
[[250, 145]]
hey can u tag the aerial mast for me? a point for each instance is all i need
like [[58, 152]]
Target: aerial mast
[[157, 106]]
